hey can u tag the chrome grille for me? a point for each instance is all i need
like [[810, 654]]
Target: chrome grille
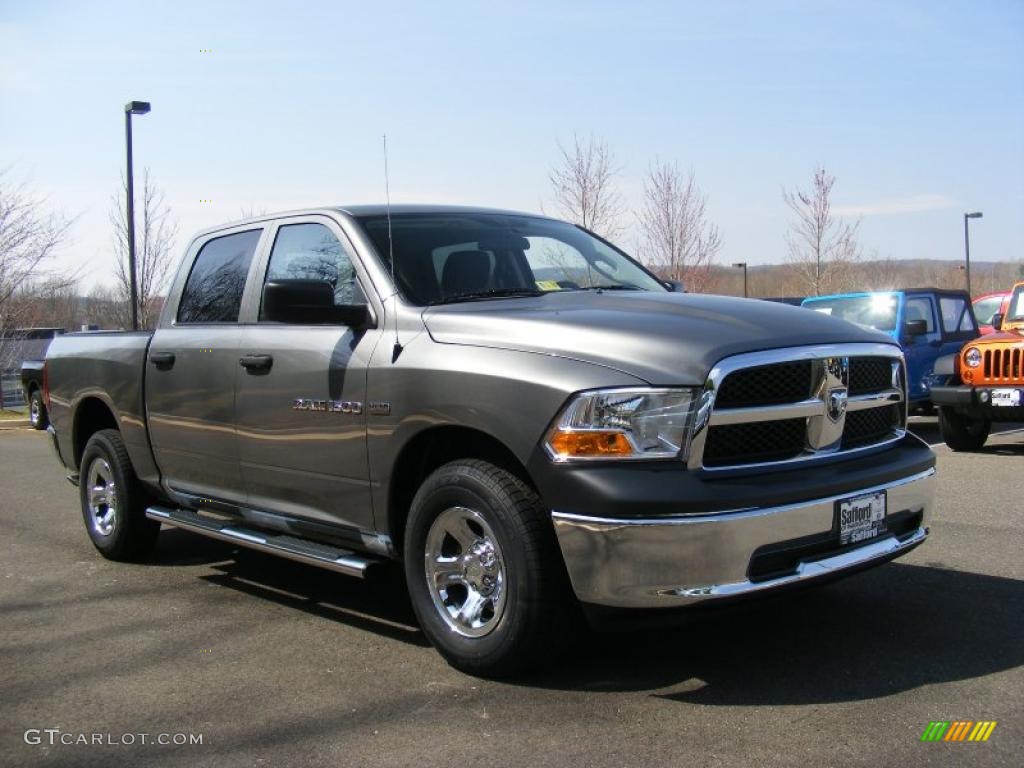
[[792, 405]]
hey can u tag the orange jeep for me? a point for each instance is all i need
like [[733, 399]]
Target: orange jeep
[[986, 381]]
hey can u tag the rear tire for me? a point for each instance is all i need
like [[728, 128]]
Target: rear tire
[[962, 433], [113, 501], [37, 415], [484, 571]]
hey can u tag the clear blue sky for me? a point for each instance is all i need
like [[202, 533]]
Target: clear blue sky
[[916, 107]]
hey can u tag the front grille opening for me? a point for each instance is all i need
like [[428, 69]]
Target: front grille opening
[[733, 444], [869, 375], [1003, 363], [872, 425], [766, 385], [774, 561]]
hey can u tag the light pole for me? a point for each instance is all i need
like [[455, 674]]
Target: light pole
[[744, 265], [967, 246], [132, 108]]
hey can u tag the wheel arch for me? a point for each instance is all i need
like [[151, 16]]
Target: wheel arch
[[91, 415], [431, 448]]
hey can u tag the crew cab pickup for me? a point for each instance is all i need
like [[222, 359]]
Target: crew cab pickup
[[928, 323], [525, 418], [985, 380]]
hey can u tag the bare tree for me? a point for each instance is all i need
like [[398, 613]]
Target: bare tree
[[252, 211], [676, 237], [822, 247], [29, 237], [105, 307], [154, 243], [583, 189]]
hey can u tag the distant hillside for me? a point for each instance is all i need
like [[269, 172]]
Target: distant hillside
[[873, 275]]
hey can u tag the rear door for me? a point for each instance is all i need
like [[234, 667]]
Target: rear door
[[191, 366], [297, 459]]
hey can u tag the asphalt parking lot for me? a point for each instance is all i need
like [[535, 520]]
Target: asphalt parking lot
[[276, 663]]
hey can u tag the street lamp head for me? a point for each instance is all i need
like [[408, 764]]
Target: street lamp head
[[740, 264], [137, 107], [975, 215]]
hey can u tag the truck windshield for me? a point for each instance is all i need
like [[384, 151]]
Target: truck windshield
[[1016, 312], [451, 257], [876, 311]]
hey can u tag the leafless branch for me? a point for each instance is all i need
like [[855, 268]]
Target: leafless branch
[[155, 233], [822, 247], [30, 235], [677, 239], [583, 186]]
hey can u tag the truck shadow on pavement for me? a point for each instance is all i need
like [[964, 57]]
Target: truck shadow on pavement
[[377, 604], [879, 633], [896, 628]]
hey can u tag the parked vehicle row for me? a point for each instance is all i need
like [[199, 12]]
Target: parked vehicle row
[[927, 323]]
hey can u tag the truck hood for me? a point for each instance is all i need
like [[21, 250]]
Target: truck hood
[[662, 338]]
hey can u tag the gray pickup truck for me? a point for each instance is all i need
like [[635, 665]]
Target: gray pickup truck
[[528, 420]]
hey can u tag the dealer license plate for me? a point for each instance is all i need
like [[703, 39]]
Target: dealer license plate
[[861, 518], [1009, 398]]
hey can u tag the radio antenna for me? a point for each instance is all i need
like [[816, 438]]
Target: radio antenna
[[397, 349]]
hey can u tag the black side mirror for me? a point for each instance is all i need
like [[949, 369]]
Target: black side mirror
[[913, 328], [676, 286], [997, 321], [309, 302]]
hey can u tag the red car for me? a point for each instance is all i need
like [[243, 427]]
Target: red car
[[986, 305]]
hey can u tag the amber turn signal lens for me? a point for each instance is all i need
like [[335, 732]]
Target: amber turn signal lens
[[591, 443]]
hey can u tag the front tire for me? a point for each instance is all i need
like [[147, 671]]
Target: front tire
[[113, 501], [962, 433], [37, 415], [484, 571]]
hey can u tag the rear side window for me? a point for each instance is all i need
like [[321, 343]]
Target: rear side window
[[955, 317], [213, 291], [312, 252]]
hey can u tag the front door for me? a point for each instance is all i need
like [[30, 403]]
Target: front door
[[190, 372], [301, 397], [921, 351]]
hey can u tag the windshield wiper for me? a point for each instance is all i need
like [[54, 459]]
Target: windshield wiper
[[613, 287], [492, 293]]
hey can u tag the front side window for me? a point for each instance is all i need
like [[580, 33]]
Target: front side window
[[920, 308], [449, 257], [213, 291], [312, 252]]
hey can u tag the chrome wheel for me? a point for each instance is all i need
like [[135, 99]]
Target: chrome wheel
[[465, 572], [102, 497], [33, 411]]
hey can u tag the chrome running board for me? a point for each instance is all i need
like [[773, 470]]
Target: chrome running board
[[301, 550]]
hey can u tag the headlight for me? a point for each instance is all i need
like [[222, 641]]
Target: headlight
[[623, 424], [973, 357]]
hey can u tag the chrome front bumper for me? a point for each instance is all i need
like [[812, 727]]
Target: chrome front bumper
[[674, 561]]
